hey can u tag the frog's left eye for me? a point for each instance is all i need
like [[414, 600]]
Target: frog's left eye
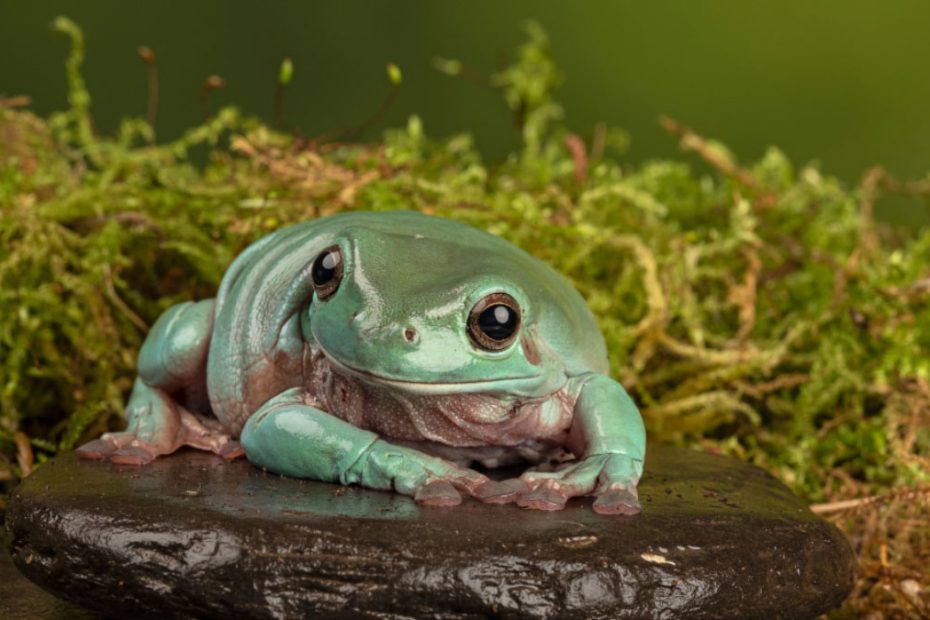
[[494, 321], [326, 272]]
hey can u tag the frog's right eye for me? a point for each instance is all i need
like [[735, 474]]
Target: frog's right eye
[[326, 272]]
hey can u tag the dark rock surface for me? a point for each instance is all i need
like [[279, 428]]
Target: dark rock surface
[[192, 535], [20, 598]]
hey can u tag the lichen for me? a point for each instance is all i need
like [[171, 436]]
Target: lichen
[[757, 310]]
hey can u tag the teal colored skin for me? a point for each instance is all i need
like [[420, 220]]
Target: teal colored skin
[[381, 383]]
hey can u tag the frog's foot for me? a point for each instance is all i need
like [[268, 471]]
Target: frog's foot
[[432, 481], [439, 492], [132, 448], [119, 448], [610, 477], [208, 434], [502, 492], [159, 426], [448, 492]]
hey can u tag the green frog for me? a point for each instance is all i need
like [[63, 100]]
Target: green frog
[[391, 350]]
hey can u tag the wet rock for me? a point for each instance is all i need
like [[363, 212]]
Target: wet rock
[[20, 598], [192, 535]]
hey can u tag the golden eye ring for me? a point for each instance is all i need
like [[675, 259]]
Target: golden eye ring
[[494, 322]]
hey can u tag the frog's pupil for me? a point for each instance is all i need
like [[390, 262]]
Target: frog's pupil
[[324, 268], [498, 322]]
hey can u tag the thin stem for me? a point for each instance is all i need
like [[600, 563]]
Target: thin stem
[[151, 112], [211, 83]]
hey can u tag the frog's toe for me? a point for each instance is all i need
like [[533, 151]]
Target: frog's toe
[[494, 492], [617, 502], [231, 450], [543, 497], [106, 445], [438, 493], [132, 455], [207, 434], [570, 480], [98, 449]]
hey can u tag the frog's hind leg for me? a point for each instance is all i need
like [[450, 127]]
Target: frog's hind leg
[[159, 426], [171, 383]]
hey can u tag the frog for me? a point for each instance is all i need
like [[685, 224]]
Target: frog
[[392, 350]]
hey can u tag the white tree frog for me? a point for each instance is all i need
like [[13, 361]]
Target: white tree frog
[[391, 350]]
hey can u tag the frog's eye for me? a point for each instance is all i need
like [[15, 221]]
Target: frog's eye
[[494, 321], [326, 272]]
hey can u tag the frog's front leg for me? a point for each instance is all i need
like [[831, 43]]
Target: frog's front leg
[[608, 437], [289, 435]]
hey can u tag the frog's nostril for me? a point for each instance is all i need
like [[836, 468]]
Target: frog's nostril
[[410, 335]]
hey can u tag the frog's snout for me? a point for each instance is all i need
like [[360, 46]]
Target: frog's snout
[[407, 334]]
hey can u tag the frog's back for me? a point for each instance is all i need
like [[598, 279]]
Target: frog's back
[[257, 351]]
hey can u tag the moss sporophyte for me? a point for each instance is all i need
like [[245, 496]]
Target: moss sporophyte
[[758, 310]]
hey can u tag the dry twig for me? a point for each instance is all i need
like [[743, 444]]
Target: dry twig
[[691, 141], [873, 500], [19, 101], [24, 456], [575, 146]]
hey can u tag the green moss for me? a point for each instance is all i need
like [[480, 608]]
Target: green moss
[[756, 310]]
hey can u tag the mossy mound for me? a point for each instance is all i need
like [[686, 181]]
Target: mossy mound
[[755, 310]]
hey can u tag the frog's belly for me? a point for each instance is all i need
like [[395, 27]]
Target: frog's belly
[[456, 420]]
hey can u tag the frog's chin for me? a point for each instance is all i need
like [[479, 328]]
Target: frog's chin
[[438, 387]]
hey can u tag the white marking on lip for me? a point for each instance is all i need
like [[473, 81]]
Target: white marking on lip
[[424, 387], [655, 558]]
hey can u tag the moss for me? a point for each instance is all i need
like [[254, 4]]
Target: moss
[[757, 310]]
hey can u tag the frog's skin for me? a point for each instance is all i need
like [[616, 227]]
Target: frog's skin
[[381, 383]]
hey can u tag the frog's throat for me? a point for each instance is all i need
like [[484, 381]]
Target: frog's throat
[[429, 387]]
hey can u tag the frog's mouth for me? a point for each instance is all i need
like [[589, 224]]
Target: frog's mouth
[[427, 387]]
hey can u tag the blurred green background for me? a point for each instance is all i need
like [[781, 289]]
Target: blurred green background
[[845, 83]]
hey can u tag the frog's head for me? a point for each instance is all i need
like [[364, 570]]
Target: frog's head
[[430, 305]]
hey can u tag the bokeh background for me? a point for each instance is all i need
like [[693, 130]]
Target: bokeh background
[[844, 83]]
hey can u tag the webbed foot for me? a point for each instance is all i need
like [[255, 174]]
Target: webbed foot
[[122, 448], [503, 492], [432, 481], [159, 426], [609, 477], [126, 448], [617, 501], [438, 493]]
